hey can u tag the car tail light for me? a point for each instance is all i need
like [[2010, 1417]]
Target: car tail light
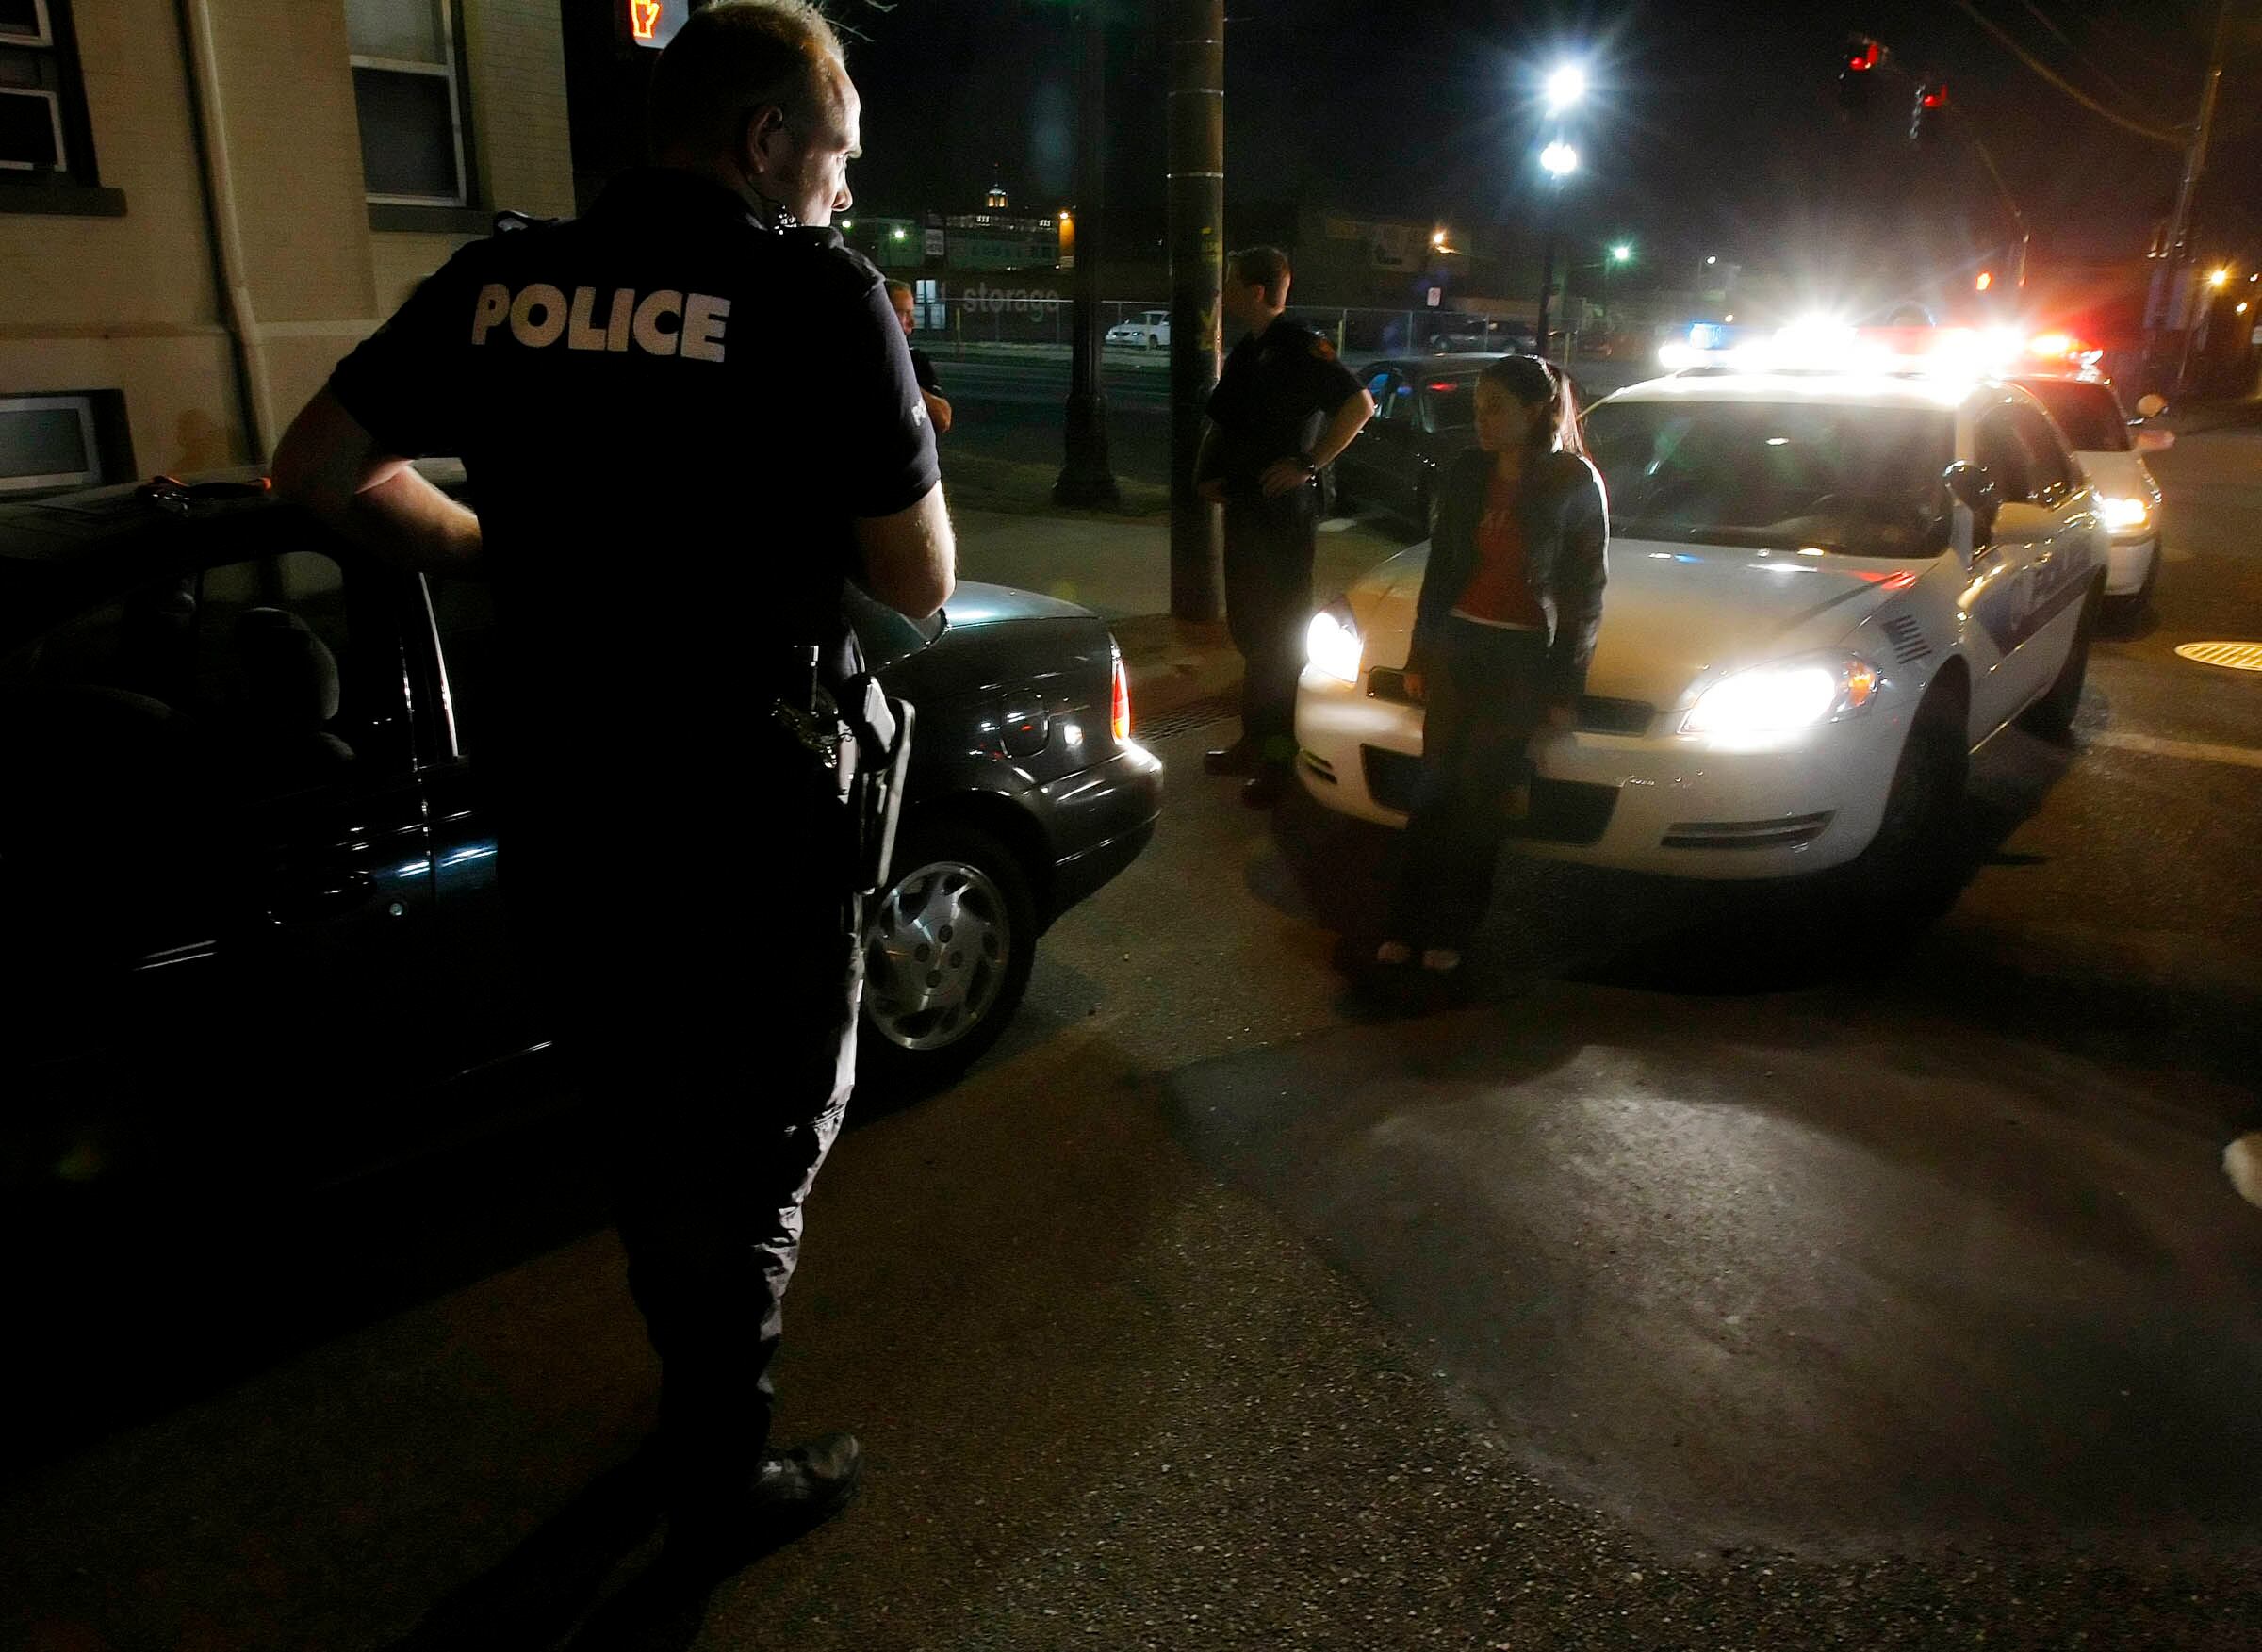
[[1119, 699]]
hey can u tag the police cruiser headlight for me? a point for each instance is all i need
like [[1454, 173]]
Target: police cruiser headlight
[[1332, 644], [1797, 694], [2125, 516]]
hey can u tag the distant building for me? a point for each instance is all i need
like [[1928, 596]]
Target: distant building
[[203, 206]]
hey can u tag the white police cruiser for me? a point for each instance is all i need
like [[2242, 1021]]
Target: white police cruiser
[[1830, 580]]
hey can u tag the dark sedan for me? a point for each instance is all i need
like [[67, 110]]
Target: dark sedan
[[1424, 413], [253, 924]]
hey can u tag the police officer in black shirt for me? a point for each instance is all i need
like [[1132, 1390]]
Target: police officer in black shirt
[[687, 417], [1283, 408], [937, 408]]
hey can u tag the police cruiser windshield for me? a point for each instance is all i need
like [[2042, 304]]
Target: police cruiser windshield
[[1865, 480], [2090, 415]]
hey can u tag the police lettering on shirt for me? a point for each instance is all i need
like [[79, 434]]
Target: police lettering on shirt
[[666, 322]]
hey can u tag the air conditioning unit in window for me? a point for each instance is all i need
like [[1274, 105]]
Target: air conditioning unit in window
[[31, 130]]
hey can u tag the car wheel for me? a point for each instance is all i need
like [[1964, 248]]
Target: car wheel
[[1911, 870], [948, 945], [2052, 716]]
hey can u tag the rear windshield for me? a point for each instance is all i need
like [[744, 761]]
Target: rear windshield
[[1865, 480], [1452, 403], [2089, 414]]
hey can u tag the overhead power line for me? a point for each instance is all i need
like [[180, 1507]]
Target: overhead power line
[[2078, 54], [2172, 139]]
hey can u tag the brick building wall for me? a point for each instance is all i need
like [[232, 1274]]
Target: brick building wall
[[114, 291]]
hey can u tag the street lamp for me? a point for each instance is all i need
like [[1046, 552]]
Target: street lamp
[[1620, 252], [1567, 85], [1560, 159], [2219, 278]]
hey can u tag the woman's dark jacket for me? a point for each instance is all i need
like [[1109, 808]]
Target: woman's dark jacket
[[1566, 529]]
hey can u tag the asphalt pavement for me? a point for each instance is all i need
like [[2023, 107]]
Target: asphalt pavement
[[1686, 1289]]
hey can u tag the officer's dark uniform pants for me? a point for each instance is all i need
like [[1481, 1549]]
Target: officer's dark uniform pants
[[1484, 705], [1269, 610], [718, 1080]]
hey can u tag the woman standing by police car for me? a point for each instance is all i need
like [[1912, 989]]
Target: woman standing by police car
[[1502, 634]]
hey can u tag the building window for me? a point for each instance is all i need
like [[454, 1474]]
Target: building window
[[407, 91], [48, 442], [42, 115]]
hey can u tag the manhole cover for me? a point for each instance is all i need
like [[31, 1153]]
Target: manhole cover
[[2238, 656]]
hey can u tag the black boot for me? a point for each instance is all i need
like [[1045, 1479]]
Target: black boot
[[794, 1493]]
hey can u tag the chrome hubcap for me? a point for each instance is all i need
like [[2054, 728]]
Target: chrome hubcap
[[935, 955]]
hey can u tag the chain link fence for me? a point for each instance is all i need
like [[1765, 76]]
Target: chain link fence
[[988, 317]]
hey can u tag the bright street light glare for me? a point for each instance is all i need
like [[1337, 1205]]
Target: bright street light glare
[[2216, 277], [1567, 85], [1621, 252], [1559, 158]]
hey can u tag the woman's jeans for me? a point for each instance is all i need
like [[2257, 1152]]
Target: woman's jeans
[[1484, 705]]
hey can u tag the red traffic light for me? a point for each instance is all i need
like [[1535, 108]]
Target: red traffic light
[[1930, 111], [1864, 55]]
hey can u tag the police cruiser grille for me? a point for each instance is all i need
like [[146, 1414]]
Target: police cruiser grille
[[1597, 715], [1907, 637], [1562, 811]]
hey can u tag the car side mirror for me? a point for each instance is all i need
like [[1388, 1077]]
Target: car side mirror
[[2151, 405], [1972, 488]]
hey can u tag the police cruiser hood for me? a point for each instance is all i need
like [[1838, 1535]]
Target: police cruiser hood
[[1673, 612]]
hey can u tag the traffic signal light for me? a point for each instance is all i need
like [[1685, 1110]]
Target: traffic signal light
[[1856, 72], [1928, 112]]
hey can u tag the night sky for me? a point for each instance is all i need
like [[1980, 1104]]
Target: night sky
[[1712, 127]]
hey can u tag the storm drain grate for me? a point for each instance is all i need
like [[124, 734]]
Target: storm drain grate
[[2236, 656], [1195, 714]]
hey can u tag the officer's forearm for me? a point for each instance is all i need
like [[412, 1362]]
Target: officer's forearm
[[1343, 427], [407, 521], [329, 464]]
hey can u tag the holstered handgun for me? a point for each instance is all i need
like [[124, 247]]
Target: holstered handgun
[[858, 742]]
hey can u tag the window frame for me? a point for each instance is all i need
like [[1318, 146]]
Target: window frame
[[90, 433], [46, 35], [459, 122], [73, 185]]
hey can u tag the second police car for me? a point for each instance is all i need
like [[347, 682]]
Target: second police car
[[1834, 571]]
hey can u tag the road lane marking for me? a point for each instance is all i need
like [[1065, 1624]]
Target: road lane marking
[[2244, 757]]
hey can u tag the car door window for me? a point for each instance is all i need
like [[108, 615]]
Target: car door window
[[2052, 471], [1997, 447], [1449, 406], [241, 681]]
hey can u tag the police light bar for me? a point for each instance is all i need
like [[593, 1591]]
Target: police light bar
[[1822, 345]]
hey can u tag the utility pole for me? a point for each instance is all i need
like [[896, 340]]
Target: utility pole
[[2181, 301], [1197, 212], [1086, 480]]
